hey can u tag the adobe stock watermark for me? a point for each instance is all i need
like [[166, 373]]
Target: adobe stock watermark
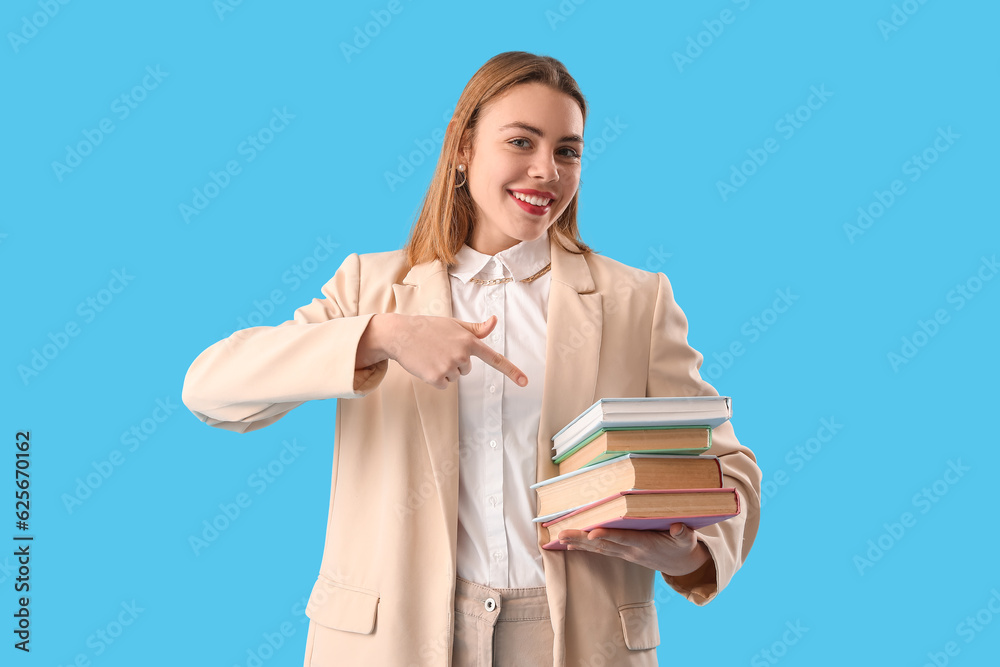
[[959, 296], [363, 35], [425, 149], [914, 167], [249, 149], [779, 648], [270, 644], [899, 17], [714, 27], [435, 649], [798, 457], [606, 653], [87, 310], [656, 258], [223, 7], [662, 592], [294, 277], [968, 629], [122, 107], [562, 12], [611, 303], [105, 636], [131, 439], [787, 125], [430, 484], [7, 569], [923, 501], [30, 25], [596, 146], [752, 330], [259, 481]]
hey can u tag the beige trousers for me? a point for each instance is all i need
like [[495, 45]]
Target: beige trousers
[[501, 627]]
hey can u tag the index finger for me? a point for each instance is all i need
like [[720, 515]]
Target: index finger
[[499, 362]]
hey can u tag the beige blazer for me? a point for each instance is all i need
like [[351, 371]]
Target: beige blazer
[[385, 590]]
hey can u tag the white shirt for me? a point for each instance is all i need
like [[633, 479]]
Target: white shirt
[[498, 420]]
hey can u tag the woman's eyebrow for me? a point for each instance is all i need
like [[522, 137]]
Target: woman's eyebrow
[[534, 130]]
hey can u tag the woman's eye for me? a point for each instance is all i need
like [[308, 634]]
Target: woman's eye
[[566, 151]]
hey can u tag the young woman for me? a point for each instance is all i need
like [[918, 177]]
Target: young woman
[[455, 360]]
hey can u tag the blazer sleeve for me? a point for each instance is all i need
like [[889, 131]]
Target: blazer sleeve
[[674, 370], [257, 375]]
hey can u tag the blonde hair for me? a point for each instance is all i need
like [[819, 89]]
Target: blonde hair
[[447, 216]]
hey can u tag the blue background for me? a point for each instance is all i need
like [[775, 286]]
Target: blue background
[[829, 559]]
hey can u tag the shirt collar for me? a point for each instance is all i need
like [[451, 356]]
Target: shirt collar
[[519, 261]]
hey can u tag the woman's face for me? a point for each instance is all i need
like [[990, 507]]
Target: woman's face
[[529, 141]]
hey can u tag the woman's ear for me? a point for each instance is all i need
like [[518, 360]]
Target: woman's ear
[[463, 149]]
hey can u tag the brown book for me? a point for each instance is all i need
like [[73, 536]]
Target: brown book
[[630, 471], [608, 443], [649, 509]]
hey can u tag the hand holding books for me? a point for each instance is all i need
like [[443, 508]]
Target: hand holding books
[[674, 552], [635, 481]]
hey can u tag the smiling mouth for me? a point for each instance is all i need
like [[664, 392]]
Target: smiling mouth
[[533, 200]]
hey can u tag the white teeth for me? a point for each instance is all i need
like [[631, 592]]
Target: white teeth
[[534, 201]]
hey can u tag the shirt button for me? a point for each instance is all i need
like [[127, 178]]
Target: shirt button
[[493, 388], [498, 556], [495, 337], [493, 443]]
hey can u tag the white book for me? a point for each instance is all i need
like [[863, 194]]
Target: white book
[[643, 412], [555, 515]]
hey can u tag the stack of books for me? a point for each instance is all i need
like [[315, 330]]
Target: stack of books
[[637, 463]]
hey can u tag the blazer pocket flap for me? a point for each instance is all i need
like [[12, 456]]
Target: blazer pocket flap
[[639, 625], [342, 607]]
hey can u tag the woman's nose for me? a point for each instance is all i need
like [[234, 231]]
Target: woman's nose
[[544, 168]]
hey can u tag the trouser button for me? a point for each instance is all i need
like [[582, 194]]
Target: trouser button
[[491, 604]]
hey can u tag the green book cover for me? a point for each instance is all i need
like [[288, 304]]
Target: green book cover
[[611, 455]]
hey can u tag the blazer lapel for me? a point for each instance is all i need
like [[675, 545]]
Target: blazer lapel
[[426, 290], [572, 352]]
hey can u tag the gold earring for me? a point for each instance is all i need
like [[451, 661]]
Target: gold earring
[[461, 169]]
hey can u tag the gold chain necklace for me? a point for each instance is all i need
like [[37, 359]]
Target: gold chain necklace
[[498, 281]]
